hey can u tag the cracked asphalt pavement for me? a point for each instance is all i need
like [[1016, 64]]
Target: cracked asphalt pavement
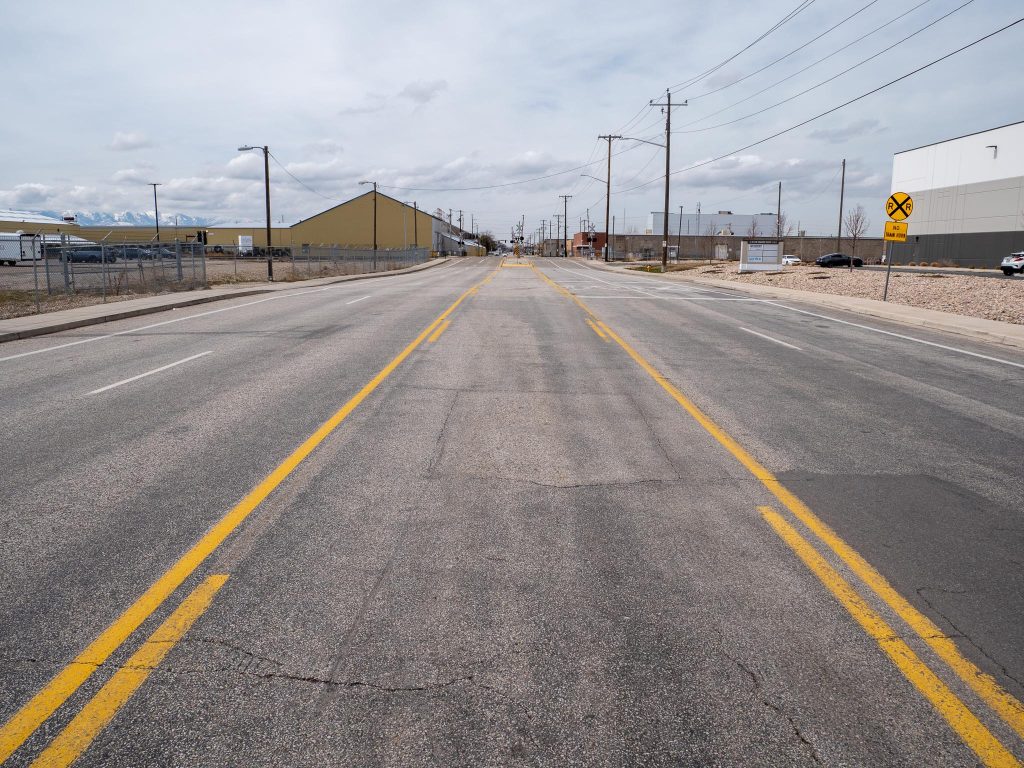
[[515, 548]]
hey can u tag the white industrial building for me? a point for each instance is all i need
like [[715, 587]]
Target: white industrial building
[[713, 223], [968, 198]]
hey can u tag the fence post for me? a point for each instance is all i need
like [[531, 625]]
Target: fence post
[[64, 263], [177, 259], [46, 264], [103, 270], [203, 262]]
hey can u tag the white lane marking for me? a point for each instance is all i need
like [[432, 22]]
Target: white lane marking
[[763, 336], [359, 299], [879, 330], [148, 373], [676, 298], [900, 336], [162, 323]]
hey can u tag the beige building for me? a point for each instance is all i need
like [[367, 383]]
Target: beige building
[[348, 225]]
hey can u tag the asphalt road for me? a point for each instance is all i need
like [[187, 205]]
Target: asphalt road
[[554, 516]]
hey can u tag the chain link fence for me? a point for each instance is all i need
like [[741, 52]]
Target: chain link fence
[[227, 264]]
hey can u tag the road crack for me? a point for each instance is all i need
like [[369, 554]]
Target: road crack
[[757, 689], [959, 632]]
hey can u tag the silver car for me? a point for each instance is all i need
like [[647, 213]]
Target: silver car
[[1013, 263]]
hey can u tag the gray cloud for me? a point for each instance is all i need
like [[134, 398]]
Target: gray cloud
[[844, 133], [128, 141], [423, 91]]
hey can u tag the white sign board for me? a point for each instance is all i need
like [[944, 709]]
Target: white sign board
[[245, 245], [760, 256]]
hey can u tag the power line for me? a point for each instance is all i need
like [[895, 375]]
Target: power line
[[508, 183], [304, 184], [833, 109], [708, 72], [795, 50], [818, 85]]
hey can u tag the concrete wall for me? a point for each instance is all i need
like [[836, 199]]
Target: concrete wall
[[703, 247]]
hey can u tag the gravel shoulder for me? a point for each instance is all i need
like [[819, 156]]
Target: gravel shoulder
[[1001, 300]]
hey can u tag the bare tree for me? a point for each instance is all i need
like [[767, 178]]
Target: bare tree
[[753, 230], [785, 229], [857, 224]]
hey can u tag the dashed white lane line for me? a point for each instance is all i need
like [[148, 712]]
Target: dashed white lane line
[[149, 373], [901, 336], [769, 338], [160, 324], [359, 299]]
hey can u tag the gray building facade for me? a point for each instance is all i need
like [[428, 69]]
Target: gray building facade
[[968, 197]]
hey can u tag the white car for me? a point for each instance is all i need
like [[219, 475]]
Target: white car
[[1013, 263], [789, 261]]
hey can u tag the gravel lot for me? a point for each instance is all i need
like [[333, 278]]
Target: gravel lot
[[960, 294]]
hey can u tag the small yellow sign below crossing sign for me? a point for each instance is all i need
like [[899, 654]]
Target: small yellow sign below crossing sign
[[899, 206], [896, 231]]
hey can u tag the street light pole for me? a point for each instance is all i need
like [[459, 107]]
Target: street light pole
[[156, 209], [266, 184]]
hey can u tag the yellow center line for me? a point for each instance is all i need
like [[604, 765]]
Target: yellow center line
[[956, 713], [440, 329], [984, 685], [70, 678], [597, 330], [101, 709]]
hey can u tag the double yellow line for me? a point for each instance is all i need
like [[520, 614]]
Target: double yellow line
[[70, 743], [956, 713]]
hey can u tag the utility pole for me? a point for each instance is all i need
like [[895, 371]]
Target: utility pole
[[156, 209], [608, 195], [543, 234], [415, 228], [558, 228], [778, 214], [565, 219], [839, 232], [667, 106], [460, 227]]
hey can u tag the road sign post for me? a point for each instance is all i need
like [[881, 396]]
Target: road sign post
[[898, 207]]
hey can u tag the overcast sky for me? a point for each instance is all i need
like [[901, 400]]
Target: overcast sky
[[103, 97]]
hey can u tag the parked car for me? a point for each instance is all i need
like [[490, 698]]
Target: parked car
[[94, 255], [1013, 263], [789, 261], [837, 260]]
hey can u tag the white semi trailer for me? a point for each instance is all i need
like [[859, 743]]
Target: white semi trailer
[[20, 248]]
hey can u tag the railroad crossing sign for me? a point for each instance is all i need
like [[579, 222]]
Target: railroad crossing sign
[[899, 206], [896, 231]]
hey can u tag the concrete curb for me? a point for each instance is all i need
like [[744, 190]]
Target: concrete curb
[[980, 329], [58, 323]]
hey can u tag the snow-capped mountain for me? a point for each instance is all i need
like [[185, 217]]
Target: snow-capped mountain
[[129, 218]]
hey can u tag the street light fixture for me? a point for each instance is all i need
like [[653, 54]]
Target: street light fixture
[[266, 181], [374, 221]]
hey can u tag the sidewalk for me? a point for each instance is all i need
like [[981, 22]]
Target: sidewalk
[[52, 322], [992, 331]]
